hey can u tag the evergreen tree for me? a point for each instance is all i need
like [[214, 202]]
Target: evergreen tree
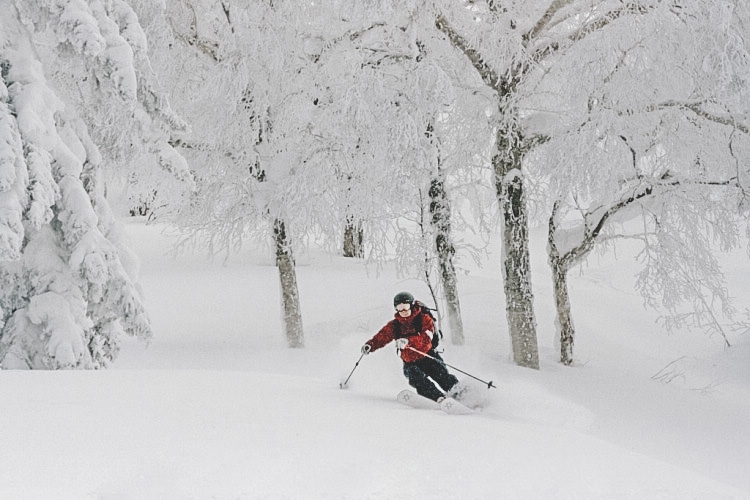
[[68, 291]]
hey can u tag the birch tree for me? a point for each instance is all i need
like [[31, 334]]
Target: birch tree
[[526, 52], [665, 113], [248, 140], [507, 80], [268, 156], [428, 102], [434, 144], [322, 131]]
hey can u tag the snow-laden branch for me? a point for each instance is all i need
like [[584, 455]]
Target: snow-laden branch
[[592, 233], [488, 75], [697, 108], [600, 216], [545, 20], [209, 48], [587, 29]]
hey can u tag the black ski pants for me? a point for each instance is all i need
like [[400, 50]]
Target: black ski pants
[[421, 371]]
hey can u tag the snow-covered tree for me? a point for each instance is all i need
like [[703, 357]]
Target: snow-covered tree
[[499, 50], [67, 290], [662, 107], [254, 146], [433, 122], [553, 66], [95, 54], [317, 131]]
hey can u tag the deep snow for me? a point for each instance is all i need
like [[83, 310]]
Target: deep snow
[[217, 407]]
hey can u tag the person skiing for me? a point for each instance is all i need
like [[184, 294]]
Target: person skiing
[[413, 332]]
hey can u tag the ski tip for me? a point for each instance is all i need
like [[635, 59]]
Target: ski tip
[[450, 405]]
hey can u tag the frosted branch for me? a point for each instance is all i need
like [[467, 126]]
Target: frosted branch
[[487, 74], [545, 20], [587, 29], [696, 107]]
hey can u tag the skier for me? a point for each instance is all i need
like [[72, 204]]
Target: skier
[[413, 332]]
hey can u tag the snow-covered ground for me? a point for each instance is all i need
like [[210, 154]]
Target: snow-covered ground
[[216, 407]]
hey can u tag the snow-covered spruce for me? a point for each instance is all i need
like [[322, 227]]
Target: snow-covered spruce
[[67, 289]]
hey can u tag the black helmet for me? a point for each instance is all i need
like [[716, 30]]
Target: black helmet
[[403, 298]]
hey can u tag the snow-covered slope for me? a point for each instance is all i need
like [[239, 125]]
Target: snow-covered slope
[[217, 407]]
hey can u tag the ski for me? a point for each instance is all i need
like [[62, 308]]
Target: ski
[[411, 398], [448, 405]]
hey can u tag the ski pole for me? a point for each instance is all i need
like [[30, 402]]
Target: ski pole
[[342, 385], [489, 384]]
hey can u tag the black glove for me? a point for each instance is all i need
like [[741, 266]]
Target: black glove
[[366, 349]]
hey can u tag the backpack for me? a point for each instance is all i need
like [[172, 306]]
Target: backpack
[[417, 321]]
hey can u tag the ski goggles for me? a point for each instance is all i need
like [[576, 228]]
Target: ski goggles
[[403, 307]]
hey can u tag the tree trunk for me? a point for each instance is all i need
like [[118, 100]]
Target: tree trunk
[[292, 317], [517, 270], [353, 239], [560, 265], [562, 304], [441, 222]]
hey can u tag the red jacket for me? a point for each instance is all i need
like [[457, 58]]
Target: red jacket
[[418, 332]]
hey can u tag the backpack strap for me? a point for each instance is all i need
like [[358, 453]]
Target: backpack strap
[[437, 334]]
